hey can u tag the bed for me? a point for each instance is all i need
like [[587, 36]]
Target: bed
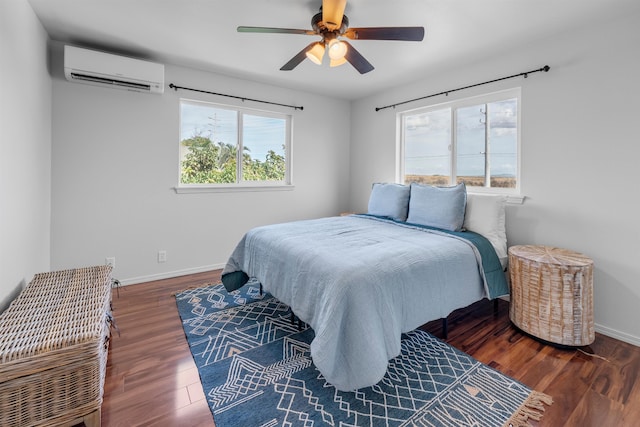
[[360, 281]]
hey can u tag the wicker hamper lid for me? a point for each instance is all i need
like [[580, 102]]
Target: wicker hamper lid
[[551, 255], [56, 310]]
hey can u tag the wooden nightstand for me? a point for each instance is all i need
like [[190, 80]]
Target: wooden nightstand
[[552, 294]]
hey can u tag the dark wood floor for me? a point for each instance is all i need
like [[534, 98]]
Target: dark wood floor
[[152, 379]]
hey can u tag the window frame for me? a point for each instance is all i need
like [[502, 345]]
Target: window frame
[[454, 105], [240, 185]]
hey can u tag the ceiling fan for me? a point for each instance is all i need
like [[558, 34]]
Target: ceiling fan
[[332, 24]]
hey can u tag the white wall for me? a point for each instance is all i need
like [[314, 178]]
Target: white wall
[[115, 161], [25, 148], [580, 153]]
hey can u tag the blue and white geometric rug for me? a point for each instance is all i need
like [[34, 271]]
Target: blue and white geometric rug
[[256, 371]]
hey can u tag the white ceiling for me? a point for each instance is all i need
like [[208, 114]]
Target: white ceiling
[[202, 34]]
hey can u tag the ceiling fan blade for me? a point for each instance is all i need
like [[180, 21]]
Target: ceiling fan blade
[[357, 60], [415, 34], [332, 13], [243, 29], [296, 60]]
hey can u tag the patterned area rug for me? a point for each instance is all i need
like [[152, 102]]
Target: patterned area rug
[[256, 370]]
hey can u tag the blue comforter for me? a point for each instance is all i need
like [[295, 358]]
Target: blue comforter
[[361, 281]]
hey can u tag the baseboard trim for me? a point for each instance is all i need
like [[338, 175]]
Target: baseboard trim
[[169, 274], [622, 336]]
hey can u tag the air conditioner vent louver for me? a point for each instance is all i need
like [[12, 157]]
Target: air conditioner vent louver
[[102, 80], [107, 70]]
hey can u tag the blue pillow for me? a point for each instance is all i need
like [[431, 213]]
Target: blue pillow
[[389, 200], [440, 207]]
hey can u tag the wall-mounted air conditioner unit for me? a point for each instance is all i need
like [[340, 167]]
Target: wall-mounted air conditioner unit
[[104, 69]]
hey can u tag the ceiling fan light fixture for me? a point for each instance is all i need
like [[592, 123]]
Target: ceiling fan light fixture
[[337, 62], [337, 49], [316, 53]]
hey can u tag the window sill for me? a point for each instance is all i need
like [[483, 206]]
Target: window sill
[[512, 199], [515, 199], [231, 189]]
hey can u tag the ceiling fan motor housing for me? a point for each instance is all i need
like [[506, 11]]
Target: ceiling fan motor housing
[[320, 27]]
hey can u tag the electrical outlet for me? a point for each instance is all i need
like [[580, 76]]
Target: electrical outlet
[[110, 261], [162, 256]]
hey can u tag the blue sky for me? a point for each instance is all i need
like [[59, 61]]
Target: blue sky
[[428, 136], [260, 133]]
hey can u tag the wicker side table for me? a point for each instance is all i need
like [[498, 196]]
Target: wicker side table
[[552, 294]]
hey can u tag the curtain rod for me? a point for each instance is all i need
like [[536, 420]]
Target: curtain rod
[[546, 68], [242, 98]]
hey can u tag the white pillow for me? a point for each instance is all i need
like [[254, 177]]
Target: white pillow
[[485, 215]]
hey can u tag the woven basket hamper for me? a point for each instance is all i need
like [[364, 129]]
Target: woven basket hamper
[[53, 349], [552, 294]]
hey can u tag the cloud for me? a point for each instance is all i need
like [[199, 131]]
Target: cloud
[[433, 121]]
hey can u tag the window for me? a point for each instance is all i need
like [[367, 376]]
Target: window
[[223, 146], [475, 141]]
